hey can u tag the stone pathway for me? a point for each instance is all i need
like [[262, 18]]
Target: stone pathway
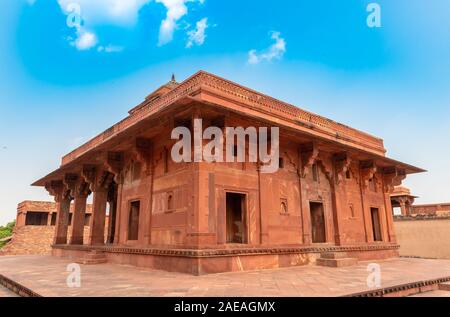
[[47, 276]]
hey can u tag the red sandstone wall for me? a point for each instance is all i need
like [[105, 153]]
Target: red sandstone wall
[[33, 240], [198, 191]]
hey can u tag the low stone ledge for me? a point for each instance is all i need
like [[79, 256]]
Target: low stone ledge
[[17, 288], [392, 290], [205, 253]]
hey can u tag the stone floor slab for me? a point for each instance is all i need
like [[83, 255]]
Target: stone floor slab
[[47, 276]]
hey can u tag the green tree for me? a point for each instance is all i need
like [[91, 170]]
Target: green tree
[[6, 231]]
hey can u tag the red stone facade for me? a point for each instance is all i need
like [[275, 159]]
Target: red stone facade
[[331, 194]]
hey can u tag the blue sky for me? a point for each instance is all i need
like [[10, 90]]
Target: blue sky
[[61, 83]]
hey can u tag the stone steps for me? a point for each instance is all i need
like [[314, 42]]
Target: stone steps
[[336, 259], [93, 258]]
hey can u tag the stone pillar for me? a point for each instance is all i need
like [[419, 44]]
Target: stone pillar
[[99, 181], [264, 188], [143, 153], [49, 218], [341, 166], [112, 200], [367, 172], [307, 154], [403, 207], [62, 220], [79, 213], [97, 225], [62, 199]]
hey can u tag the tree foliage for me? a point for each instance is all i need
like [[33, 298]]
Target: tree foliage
[[6, 231]]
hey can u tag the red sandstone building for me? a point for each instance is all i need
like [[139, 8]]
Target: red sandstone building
[[43, 213], [331, 193]]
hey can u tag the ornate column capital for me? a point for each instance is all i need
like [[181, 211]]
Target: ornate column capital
[[368, 170], [98, 178], [392, 176], [143, 153], [58, 190], [308, 153], [342, 164], [114, 163]]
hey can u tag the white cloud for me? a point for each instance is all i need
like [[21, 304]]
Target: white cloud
[[85, 40], [110, 49], [176, 9], [198, 36], [118, 12], [275, 51], [122, 13]]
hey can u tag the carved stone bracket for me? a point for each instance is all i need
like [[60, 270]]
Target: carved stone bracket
[[342, 165], [114, 164], [327, 167], [309, 154], [97, 178], [392, 177], [143, 151], [70, 182], [57, 189], [368, 170]]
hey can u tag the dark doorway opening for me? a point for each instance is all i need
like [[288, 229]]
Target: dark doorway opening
[[87, 220], [133, 221], [376, 226], [317, 222], [236, 222], [36, 219], [53, 220]]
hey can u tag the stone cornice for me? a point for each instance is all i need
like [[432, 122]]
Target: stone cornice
[[205, 253], [250, 98]]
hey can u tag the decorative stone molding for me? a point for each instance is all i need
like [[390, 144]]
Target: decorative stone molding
[[248, 98], [143, 153], [114, 164], [207, 253], [70, 182], [392, 177], [309, 153], [381, 292], [97, 178], [342, 166], [81, 189], [56, 189], [368, 170], [326, 166]]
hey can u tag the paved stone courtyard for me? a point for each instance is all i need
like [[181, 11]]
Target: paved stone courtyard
[[47, 276]]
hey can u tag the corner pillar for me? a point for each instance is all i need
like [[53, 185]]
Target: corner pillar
[[80, 194], [99, 181], [62, 199]]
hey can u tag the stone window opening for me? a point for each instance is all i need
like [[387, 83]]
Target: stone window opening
[[170, 203], [348, 174], [281, 162], [284, 207], [133, 221], [315, 172], [352, 211]]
